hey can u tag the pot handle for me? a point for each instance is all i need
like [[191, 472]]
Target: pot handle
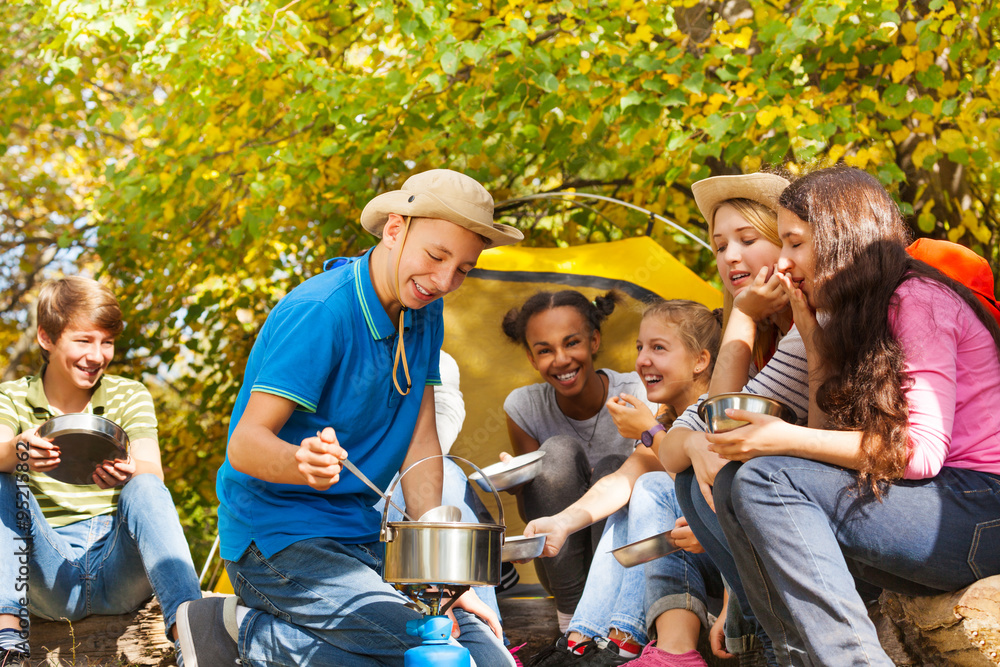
[[387, 536]]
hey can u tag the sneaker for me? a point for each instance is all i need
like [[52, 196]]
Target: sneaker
[[606, 656], [208, 632], [654, 657], [14, 658], [508, 577], [559, 654]]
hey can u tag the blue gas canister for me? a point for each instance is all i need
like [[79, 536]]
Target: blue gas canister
[[435, 651]]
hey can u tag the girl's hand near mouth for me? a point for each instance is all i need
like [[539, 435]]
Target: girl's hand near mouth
[[764, 297], [802, 313], [631, 416]]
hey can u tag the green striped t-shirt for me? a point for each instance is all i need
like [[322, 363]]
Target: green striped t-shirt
[[23, 406]]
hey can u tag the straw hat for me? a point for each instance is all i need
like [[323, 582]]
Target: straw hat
[[709, 193], [443, 194]]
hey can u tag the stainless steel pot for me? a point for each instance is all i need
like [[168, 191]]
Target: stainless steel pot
[[84, 441], [426, 552]]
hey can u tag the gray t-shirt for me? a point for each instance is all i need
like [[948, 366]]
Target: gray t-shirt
[[535, 410]]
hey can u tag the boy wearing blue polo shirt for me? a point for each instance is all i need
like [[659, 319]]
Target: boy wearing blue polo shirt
[[344, 366]]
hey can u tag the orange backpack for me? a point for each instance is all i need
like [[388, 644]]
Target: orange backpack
[[961, 264]]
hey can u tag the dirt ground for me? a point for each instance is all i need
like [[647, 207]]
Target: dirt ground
[[529, 617]]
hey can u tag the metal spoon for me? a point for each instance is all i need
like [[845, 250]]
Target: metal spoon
[[353, 468]]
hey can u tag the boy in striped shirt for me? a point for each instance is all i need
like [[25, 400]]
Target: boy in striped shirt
[[98, 548]]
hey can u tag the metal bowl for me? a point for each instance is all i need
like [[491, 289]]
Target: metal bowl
[[85, 441], [508, 474], [713, 410], [645, 550], [522, 547]]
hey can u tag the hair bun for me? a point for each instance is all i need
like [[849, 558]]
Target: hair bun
[[605, 305], [718, 313]]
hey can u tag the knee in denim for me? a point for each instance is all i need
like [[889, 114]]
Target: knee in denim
[[141, 489]]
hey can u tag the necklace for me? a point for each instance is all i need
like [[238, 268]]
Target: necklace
[[597, 421]]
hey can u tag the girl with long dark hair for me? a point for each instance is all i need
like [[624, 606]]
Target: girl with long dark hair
[[761, 353], [896, 480]]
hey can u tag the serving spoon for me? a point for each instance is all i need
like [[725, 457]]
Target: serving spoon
[[353, 468]]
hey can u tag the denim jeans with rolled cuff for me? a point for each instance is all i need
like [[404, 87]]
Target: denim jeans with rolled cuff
[[563, 479], [109, 564], [613, 595], [743, 632], [319, 602], [630, 599], [801, 534]]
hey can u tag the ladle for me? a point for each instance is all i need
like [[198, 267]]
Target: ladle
[[442, 514]]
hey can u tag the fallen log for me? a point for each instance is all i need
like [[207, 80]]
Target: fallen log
[[960, 629], [123, 640]]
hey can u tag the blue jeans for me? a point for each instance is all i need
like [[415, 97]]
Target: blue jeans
[[801, 534], [743, 632], [455, 490], [319, 602], [630, 599], [563, 479], [613, 595], [109, 564]]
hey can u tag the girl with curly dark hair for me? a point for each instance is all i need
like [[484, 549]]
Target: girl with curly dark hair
[[896, 480], [565, 415]]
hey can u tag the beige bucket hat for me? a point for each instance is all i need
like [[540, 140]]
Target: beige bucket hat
[[709, 193], [445, 194]]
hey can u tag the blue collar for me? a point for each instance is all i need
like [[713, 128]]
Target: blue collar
[[379, 325]]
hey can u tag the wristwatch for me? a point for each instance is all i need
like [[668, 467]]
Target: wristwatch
[[647, 436]]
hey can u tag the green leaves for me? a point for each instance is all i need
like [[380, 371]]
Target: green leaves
[[547, 82]]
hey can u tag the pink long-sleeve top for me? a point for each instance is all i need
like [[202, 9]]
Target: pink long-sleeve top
[[952, 360]]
